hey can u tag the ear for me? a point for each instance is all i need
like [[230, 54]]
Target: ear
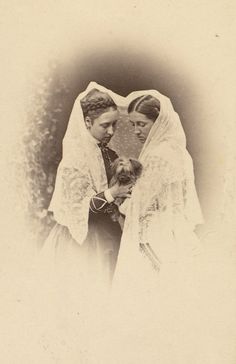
[[137, 166], [114, 165], [88, 122]]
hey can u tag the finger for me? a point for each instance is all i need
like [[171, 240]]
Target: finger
[[127, 195], [129, 187], [129, 192]]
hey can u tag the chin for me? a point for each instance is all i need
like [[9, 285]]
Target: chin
[[106, 140]]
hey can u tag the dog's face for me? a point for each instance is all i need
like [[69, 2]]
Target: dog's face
[[126, 170]]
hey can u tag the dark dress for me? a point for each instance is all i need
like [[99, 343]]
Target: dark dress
[[97, 256], [108, 232]]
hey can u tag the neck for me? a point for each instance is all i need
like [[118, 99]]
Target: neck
[[96, 141]]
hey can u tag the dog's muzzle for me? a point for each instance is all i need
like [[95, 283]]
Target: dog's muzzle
[[124, 178]]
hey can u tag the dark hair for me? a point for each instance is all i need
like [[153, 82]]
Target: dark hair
[[146, 105], [95, 103]]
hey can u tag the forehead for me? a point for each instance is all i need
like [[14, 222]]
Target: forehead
[[109, 116], [135, 116]]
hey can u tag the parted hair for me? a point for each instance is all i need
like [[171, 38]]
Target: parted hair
[[146, 105], [95, 103]]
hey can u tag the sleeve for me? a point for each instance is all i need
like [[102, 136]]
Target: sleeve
[[100, 201], [162, 193], [160, 176], [71, 200]]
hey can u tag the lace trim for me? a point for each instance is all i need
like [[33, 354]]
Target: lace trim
[[149, 253]]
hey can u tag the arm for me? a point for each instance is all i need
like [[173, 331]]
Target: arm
[[161, 191], [71, 200], [100, 202]]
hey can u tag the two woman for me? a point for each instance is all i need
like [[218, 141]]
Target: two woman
[[162, 212], [153, 300]]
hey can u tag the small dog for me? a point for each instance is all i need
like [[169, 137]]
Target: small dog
[[125, 171]]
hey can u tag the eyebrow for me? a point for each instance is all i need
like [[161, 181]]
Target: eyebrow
[[108, 122], [138, 121]]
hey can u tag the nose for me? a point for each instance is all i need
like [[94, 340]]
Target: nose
[[110, 130], [136, 130]]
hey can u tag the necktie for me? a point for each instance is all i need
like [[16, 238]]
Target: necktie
[[107, 159]]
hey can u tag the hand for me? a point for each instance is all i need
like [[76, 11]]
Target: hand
[[121, 190]]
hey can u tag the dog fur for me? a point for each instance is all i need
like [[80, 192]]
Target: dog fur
[[124, 171]]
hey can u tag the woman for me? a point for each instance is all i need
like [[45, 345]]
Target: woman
[[164, 206], [154, 282], [85, 241]]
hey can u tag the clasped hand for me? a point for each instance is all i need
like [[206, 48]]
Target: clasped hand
[[121, 190]]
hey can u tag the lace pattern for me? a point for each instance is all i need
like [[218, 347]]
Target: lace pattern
[[81, 173], [164, 207], [72, 196]]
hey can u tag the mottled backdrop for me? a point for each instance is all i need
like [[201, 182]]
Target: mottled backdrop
[[51, 102]]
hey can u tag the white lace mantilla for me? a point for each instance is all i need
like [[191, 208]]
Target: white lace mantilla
[[81, 173], [164, 207]]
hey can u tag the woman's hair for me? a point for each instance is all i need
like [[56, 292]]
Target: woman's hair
[[146, 105], [95, 103]]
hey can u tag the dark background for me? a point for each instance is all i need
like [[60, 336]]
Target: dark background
[[52, 102]]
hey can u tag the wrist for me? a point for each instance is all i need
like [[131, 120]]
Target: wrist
[[113, 192], [109, 196]]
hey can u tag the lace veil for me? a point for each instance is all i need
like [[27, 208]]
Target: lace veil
[[164, 200], [81, 172]]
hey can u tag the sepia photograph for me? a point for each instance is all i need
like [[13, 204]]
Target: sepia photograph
[[118, 240]]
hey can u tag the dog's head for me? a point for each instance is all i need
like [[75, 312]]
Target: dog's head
[[126, 170]]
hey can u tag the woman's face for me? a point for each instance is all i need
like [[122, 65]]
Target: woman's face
[[142, 125], [103, 127]]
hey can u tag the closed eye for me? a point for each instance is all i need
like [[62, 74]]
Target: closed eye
[[140, 123], [105, 126], [131, 122]]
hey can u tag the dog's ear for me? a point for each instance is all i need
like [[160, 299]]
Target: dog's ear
[[114, 165], [137, 167]]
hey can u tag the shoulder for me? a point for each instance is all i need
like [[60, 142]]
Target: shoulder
[[113, 155], [70, 167], [165, 152], [165, 160]]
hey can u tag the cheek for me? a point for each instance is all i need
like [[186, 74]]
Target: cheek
[[147, 128], [94, 127], [101, 130]]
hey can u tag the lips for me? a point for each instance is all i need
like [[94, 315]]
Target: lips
[[141, 138], [106, 139]]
